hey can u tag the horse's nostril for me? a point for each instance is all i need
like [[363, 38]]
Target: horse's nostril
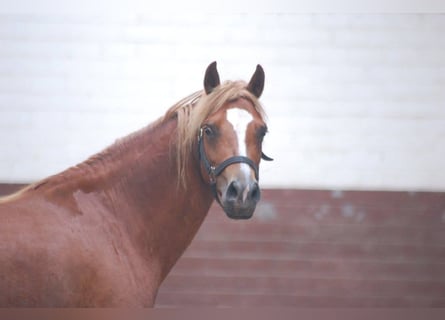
[[255, 193], [232, 191], [236, 191]]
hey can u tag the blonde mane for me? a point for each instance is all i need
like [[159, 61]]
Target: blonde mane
[[193, 110]]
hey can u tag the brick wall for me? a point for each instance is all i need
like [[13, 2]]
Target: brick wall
[[307, 248], [355, 101]]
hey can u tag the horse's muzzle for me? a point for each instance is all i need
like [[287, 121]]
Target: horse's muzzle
[[240, 198]]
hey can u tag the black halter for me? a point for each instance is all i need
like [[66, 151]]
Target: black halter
[[214, 172]]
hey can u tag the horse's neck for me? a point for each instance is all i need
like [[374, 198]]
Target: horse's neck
[[164, 216], [136, 180]]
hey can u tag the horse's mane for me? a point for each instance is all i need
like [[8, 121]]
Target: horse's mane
[[192, 111]]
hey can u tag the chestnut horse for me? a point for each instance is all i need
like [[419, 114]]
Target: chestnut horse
[[106, 232]]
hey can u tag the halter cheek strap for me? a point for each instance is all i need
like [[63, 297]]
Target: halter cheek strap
[[214, 172]]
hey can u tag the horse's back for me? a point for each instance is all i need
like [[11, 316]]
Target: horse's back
[[53, 256]]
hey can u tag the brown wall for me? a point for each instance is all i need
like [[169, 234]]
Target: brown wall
[[317, 248]]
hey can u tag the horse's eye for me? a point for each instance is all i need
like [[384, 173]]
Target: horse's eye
[[208, 131], [261, 133]]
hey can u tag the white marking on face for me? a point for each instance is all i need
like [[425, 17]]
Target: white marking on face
[[240, 119]]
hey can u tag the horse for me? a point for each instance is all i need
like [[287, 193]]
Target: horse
[[106, 232]]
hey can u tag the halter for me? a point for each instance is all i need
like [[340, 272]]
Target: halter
[[214, 172]]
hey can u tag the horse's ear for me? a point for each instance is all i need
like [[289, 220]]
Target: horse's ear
[[256, 84], [211, 78]]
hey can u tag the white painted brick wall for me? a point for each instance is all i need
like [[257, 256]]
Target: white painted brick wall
[[355, 101]]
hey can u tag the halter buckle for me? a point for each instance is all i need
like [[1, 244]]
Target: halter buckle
[[212, 176]]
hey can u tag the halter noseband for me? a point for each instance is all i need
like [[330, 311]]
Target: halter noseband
[[214, 172]]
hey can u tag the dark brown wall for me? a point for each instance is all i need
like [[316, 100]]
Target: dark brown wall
[[317, 248], [9, 188]]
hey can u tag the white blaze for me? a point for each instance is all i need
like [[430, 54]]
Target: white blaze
[[240, 119]]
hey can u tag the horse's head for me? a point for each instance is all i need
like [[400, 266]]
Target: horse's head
[[230, 145]]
